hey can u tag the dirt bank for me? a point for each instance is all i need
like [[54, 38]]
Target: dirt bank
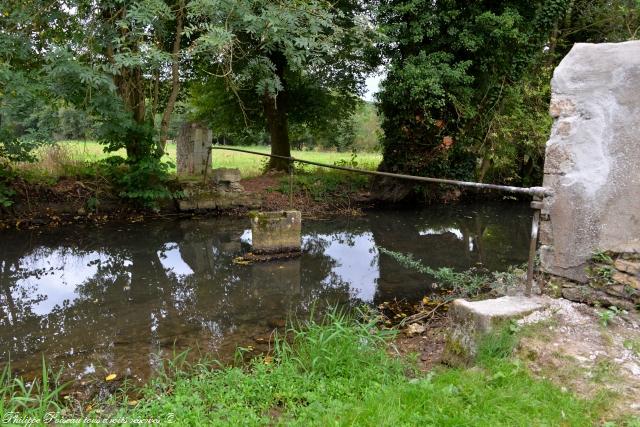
[[593, 352], [71, 200]]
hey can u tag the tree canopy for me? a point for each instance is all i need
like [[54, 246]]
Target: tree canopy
[[273, 55], [465, 93], [467, 89], [450, 65]]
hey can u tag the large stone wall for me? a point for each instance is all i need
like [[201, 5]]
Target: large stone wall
[[592, 158]]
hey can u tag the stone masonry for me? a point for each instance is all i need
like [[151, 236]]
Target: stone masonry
[[592, 163], [222, 190]]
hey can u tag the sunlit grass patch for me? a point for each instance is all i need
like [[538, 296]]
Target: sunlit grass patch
[[250, 165]]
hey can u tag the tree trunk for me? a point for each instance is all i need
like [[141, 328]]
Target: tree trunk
[[484, 167], [175, 78], [156, 96], [276, 114], [130, 87]]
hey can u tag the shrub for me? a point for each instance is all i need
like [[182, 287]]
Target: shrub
[[145, 181]]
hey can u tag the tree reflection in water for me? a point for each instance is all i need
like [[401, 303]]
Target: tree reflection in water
[[119, 298]]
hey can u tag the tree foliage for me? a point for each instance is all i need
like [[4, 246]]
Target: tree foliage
[[452, 66], [467, 90], [465, 96], [26, 31], [273, 55]]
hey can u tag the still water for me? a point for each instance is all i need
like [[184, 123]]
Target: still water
[[120, 297]]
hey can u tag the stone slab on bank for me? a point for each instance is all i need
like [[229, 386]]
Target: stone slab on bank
[[471, 321]]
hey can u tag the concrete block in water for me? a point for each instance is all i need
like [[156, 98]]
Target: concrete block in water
[[471, 321], [276, 232]]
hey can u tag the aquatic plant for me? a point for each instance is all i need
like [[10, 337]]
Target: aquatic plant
[[466, 283]]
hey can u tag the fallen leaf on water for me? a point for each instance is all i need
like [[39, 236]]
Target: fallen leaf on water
[[110, 377]]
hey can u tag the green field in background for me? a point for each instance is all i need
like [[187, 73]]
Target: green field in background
[[249, 164]]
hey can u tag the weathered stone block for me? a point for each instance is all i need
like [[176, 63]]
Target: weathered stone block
[[227, 179], [192, 149], [590, 295], [276, 232], [627, 266], [472, 320], [226, 175], [627, 280], [592, 157], [203, 198]]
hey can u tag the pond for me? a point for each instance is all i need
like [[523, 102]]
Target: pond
[[121, 297]]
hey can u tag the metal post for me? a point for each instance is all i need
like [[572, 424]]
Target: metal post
[[291, 185], [533, 244], [206, 166]]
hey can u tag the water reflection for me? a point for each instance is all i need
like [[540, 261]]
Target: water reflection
[[119, 298]]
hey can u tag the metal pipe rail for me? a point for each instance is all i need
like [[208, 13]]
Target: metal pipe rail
[[538, 193], [531, 191]]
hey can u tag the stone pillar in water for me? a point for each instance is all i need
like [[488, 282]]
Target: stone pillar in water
[[194, 142], [276, 232], [592, 161]]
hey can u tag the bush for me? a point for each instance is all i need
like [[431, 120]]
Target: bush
[[6, 193], [145, 181]]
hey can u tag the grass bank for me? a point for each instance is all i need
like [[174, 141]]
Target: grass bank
[[336, 372]]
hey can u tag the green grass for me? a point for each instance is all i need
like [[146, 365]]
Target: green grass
[[34, 399], [250, 165], [633, 345], [325, 185], [339, 372]]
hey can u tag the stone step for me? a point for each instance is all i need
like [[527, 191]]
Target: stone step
[[471, 321]]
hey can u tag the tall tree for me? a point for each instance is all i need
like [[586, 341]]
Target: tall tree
[[265, 48], [317, 115], [450, 65], [140, 43]]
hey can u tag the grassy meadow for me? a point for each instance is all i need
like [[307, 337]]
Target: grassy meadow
[[62, 158]]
